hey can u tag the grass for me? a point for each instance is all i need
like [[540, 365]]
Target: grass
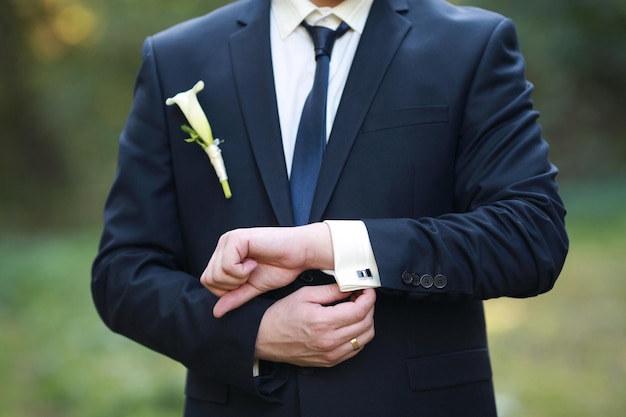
[[560, 354], [57, 358]]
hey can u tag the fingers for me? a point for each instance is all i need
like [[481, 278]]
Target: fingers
[[325, 294], [362, 326], [360, 305], [229, 266], [349, 347], [358, 335], [234, 298], [231, 300], [299, 330], [353, 319], [220, 278]]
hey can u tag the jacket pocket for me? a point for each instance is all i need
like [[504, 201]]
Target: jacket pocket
[[407, 116], [441, 371], [205, 389]]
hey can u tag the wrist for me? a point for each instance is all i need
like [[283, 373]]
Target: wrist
[[318, 246]]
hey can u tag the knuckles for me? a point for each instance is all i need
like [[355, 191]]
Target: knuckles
[[332, 358], [323, 345]]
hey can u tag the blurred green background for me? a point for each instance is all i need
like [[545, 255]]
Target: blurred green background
[[67, 69]]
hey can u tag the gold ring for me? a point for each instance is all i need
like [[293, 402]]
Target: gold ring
[[355, 344]]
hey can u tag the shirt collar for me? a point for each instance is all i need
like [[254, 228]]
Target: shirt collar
[[290, 13]]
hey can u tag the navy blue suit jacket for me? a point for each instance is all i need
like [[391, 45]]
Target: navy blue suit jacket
[[435, 147]]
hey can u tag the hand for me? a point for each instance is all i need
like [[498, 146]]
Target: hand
[[304, 330], [249, 262]]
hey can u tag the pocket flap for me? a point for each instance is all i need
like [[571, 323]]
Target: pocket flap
[[406, 117], [458, 368]]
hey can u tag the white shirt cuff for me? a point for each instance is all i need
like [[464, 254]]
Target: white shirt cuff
[[355, 265]]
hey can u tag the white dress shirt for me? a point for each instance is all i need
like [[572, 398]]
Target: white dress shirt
[[293, 62]]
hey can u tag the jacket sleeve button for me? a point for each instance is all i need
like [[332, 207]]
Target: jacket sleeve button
[[426, 280], [440, 281], [407, 278]]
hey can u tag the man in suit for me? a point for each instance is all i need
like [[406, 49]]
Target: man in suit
[[435, 192]]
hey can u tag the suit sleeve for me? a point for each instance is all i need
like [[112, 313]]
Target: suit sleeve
[[506, 236], [140, 283]]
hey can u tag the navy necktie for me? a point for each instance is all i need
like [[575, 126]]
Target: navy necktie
[[311, 137]]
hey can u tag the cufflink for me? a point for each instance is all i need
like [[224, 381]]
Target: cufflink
[[364, 273]]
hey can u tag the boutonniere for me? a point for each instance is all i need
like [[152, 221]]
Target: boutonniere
[[200, 131]]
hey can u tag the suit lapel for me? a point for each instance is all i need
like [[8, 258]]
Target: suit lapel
[[251, 60], [252, 68], [383, 34]]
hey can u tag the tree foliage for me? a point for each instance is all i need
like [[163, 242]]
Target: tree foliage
[[577, 60], [67, 69]]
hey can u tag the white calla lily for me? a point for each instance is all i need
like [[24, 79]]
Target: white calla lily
[[189, 105], [200, 130]]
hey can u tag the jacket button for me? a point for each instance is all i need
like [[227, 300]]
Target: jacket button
[[307, 277], [426, 281], [416, 279], [407, 277], [306, 370], [440, 281]]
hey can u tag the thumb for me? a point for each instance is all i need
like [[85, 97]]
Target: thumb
[[234, 299], [325, 294]]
